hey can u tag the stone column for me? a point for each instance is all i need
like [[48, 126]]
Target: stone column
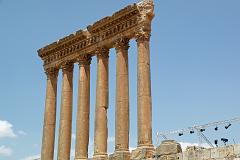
[[48, 139], [82, 133], [65, 129], [101, 129], [144, 91], [122, 100]]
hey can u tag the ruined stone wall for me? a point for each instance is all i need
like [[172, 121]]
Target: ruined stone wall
[[230, 152], [171, 150]]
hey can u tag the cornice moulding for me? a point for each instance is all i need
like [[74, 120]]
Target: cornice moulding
[[103, 33]]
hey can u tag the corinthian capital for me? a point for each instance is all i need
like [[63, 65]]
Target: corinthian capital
[[51, 72], [67, 66], [84, 59], [102, 52], [122, 44], [143, 35]]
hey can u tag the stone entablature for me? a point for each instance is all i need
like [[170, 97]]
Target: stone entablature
[[128, 23]]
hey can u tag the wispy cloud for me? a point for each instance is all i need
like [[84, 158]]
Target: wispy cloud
[[35, 145], [72, 154], [6, 130], [111, 139], [34, 157], [5, 151], [73, 136], [22, 133]]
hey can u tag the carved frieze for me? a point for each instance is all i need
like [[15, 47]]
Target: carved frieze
[[102, 33]]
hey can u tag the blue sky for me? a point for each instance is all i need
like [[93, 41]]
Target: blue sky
[[195, 66]]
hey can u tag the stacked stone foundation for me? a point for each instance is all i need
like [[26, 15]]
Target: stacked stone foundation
[[171, 150]]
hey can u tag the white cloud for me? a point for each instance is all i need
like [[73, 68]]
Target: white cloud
[[6, 130], [5, 151], [22, 133], [111, 139], [35, 145], [72, 154], [90, 148], [34, 157], [73, 136]]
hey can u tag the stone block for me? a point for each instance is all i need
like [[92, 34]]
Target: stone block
[[206, 154], [121, 156], [229, 151], [237, 149], [214, 153], [195, 153], [142, 153], [179, 156], [191, 153], [164, 157], [221, 152], [185, 155], [168, 147]]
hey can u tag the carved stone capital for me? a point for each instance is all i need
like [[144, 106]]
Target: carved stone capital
[[102, 52], [146, 9], [142, 36], [122, 44], [67, 66], [52, 72], [84, 59]]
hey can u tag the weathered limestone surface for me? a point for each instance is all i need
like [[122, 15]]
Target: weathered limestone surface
[[65, 129], [120, 156], [168, 147], [172, 150], [142, 154], [122, 100], [103, 33], [144, 92], [131, 22], [48, 138], [101, 129], [82, 133]]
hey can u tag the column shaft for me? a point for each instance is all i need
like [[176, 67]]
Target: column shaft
[[122, 98], [65, 129], [48, 139], [101, 129], [82, 133], [144, 92]]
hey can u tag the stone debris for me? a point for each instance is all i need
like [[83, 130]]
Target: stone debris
[[171, 150]]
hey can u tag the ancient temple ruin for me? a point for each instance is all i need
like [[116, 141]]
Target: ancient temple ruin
[[132, 22]]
